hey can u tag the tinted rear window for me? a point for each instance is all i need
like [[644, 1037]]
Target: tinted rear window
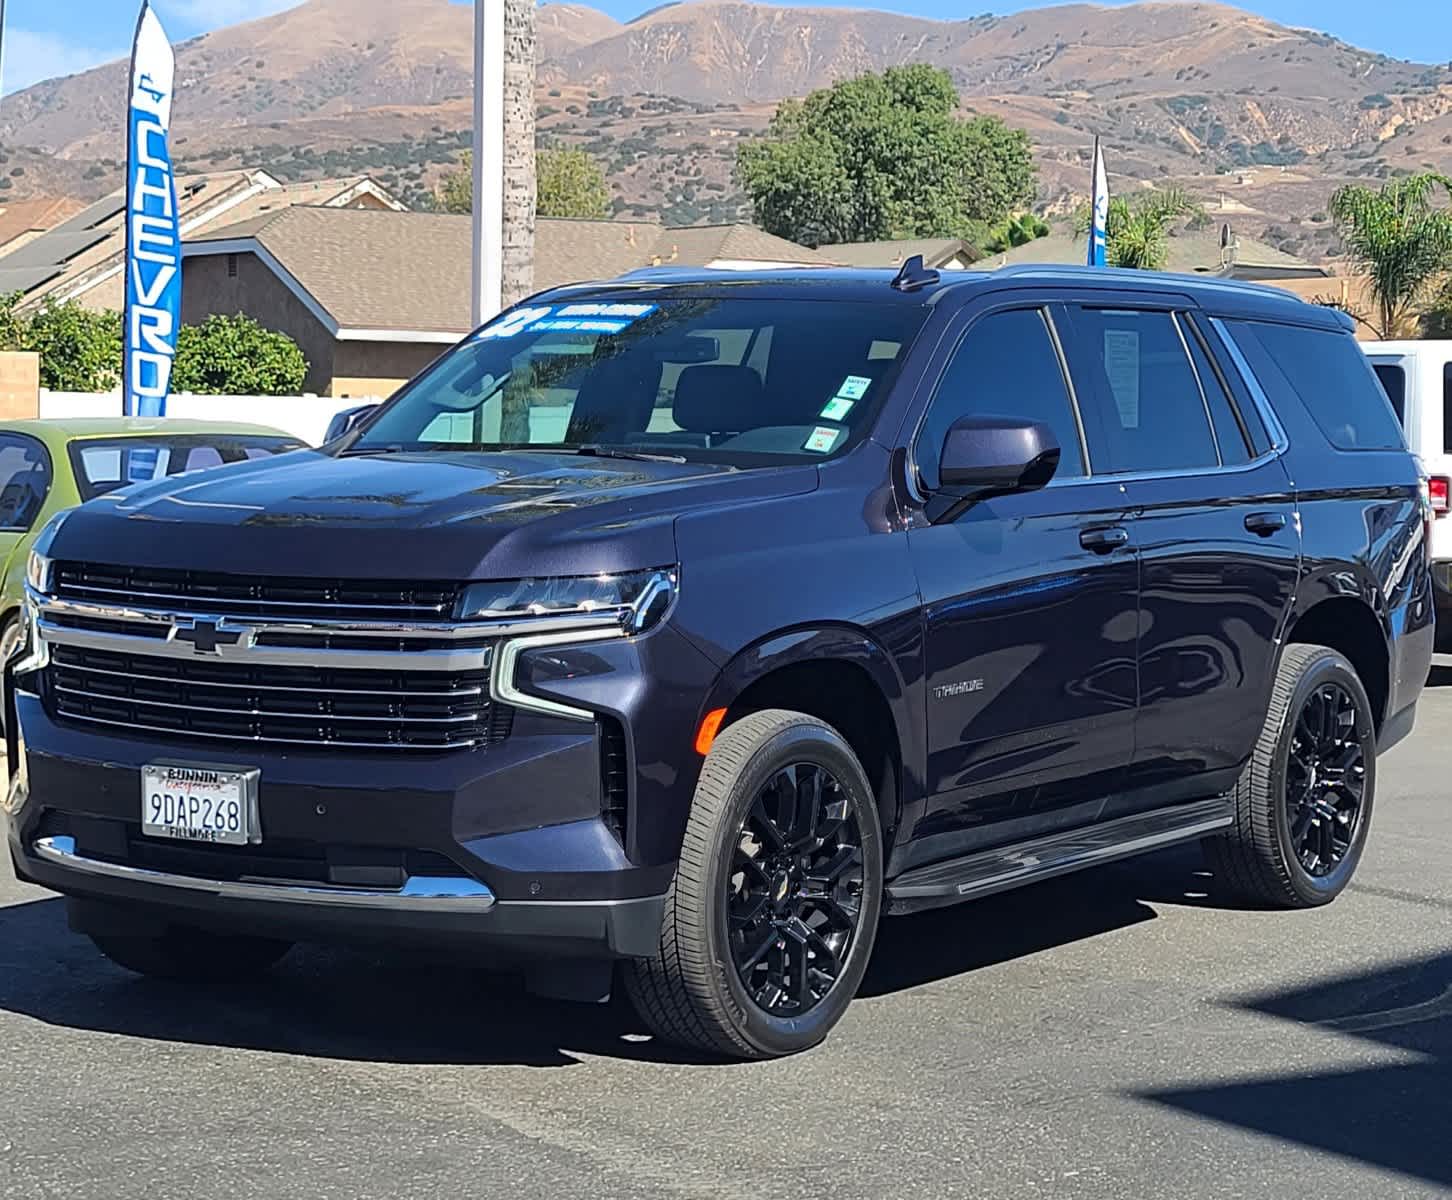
[[1332, 378], [1394, 384]]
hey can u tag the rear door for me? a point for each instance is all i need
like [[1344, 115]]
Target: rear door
[[1215, 526], [1029, 607]]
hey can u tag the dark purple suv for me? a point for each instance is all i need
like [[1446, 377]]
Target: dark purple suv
[[673, 630]]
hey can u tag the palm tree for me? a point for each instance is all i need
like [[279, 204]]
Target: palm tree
[[1400, 239], [1138, 229], [519, 180]]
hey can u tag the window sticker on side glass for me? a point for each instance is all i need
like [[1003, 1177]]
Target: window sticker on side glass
[[822, 439], [854, 387], [836, 408], [1121, 365]]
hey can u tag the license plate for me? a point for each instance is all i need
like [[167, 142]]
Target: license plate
[[199, 804]]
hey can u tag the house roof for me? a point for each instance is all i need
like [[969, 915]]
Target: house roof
[[1191, 251], [32, 216], [369, 271], [935, 252], [90, 246]]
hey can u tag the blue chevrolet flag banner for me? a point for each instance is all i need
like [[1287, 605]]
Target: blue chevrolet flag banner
[[1099, 212], [153, 236]]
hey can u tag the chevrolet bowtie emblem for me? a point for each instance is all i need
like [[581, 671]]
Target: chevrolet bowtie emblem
[[208, 636]]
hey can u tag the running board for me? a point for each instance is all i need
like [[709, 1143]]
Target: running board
[[990, 871]]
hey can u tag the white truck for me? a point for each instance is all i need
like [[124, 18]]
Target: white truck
[[1417, 377]]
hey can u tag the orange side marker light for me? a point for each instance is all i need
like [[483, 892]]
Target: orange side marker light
[[710, 727]]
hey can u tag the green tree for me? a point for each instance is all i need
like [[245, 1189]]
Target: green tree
[[80, 350], [1015, 231], [1137, 232], [1437, 319], [1401, 239], [12, 325], [884, 156], [570, 184], [235, 356]]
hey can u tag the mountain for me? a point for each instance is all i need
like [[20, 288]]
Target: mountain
[[1261, 119]]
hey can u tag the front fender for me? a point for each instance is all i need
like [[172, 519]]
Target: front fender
[[890, 657]]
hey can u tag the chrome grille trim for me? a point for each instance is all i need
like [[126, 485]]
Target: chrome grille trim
[[453, 694], [331, 743], [451, 719], [282, 656], [223, 604]]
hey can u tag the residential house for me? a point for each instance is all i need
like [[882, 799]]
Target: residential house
[[939, 254], [22, 221], [82, 258], [372, 297], [1191, 252]]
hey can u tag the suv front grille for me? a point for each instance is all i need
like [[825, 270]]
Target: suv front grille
[[249, 597], [295, 705]]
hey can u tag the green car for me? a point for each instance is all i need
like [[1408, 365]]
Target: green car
[[47, 466]]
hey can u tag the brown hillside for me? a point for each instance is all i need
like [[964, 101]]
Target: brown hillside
[[1262, 119]]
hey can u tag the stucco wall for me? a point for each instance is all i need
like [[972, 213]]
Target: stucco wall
[[378, 368], [19, 385], [207, 289]]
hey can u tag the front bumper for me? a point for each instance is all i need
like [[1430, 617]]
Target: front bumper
[[502, 850]]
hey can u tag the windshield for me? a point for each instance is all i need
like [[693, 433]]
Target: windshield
[[103, 465], [737, 381]]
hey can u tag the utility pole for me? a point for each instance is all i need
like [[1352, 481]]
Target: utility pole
[[488, 158]]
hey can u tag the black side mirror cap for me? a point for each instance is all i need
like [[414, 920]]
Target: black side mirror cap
[[993, 456]]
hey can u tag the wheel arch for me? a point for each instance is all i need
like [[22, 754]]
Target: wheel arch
[[843, 676], [1350, 626]]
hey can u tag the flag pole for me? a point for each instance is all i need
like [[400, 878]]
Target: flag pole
[[488, 215], [2, 47]]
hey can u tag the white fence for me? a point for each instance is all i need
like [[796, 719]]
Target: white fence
[[305, 417]]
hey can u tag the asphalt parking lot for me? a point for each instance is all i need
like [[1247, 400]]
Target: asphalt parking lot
[[1117, 1035]]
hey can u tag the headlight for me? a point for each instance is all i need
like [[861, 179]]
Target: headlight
[[638, 599], [38, 567], [37, 572]]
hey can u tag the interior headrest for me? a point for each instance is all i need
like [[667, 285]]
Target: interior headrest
[[720, 399]]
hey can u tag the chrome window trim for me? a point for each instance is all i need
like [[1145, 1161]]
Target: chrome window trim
[[1279, 441], [443, 894], [1200, 386]]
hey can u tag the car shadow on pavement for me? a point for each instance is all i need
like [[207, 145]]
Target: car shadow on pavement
[[1393, 1115], [349, 1005]]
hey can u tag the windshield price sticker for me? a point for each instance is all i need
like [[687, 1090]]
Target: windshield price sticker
[[567, 318], [854, 387], [836, 408], [822, 439]]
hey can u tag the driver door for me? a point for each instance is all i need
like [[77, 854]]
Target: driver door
[[1030, 608]]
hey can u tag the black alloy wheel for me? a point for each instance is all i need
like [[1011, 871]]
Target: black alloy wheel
[[794, 893], [1302, 809], [1325, 779], [770, 920]]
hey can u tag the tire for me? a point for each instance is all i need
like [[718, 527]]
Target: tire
[[10, 634], [1263, 857], [694, 991], [188, 955]]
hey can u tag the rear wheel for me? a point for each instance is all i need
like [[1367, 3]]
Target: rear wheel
[[772, 916], [1303, 806], [190, 955]]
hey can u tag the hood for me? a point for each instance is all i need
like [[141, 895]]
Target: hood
[[437, 516]]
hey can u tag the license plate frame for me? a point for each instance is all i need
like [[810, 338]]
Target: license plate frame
[[225, 811]]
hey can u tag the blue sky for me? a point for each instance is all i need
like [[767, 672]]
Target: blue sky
[[58, 37]]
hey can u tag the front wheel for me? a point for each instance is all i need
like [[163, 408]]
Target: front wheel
[[773, 912]]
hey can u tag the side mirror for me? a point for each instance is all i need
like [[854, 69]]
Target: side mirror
[[346, 421], [993, 456]]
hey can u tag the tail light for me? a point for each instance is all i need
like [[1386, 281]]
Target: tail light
[[1439, 495]]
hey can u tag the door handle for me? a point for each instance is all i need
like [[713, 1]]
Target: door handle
[[1104, 539], [1265, 523]]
